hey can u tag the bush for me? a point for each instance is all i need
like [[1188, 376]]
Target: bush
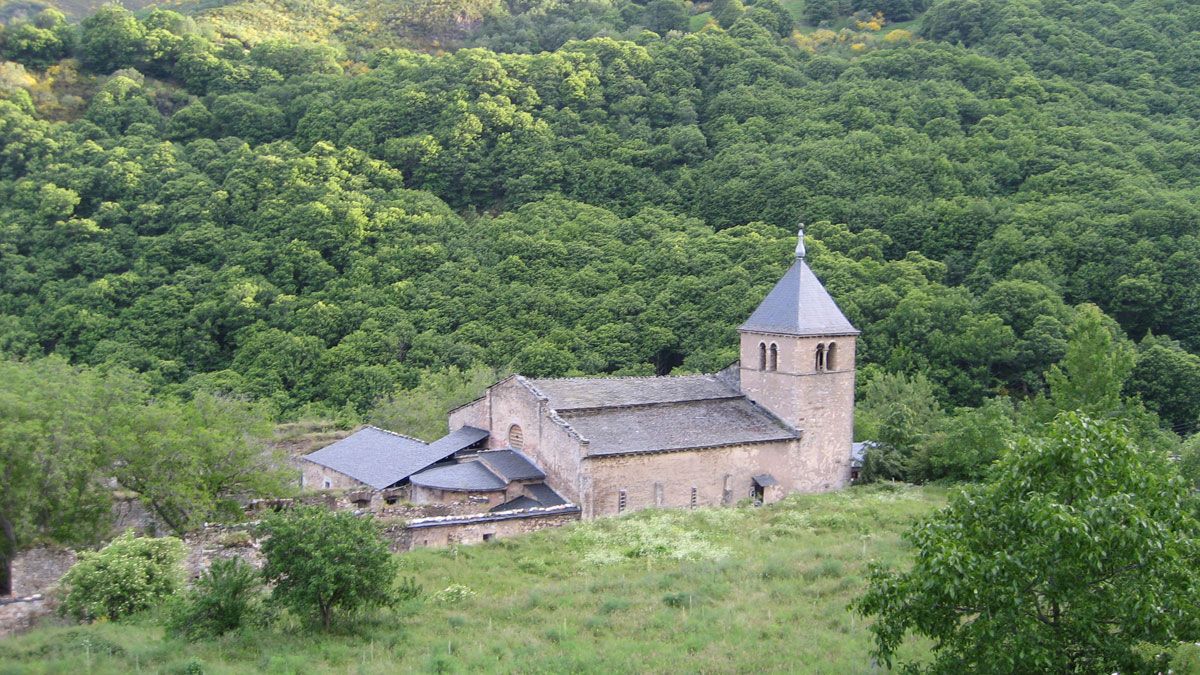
[[322, 562], [129, 575], [453, 594], [226, 597]]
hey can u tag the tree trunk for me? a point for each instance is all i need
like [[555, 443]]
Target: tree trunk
[[8, 550]]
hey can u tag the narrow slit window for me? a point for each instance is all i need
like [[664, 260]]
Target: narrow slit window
[[820, 365], [762, 356], [773, 360]]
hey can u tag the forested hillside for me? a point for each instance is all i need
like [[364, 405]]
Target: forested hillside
[[321, 226]]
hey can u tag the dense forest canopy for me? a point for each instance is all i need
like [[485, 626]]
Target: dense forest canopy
[[320, 226]]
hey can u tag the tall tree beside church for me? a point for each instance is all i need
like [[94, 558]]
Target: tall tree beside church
[[1082, 549]]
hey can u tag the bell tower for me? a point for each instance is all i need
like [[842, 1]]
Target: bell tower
[[797, 361]]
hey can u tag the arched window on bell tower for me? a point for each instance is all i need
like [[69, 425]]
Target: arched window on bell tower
[[820, 364], [830, 356], [762, 356], [773, 360]]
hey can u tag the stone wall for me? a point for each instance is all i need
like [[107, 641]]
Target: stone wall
[[38, 569], [547, 440], [316, 477], [819, 403], [450, 531], [719, 476], [22, 613]]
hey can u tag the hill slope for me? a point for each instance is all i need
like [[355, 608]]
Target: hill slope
[[718, 590]]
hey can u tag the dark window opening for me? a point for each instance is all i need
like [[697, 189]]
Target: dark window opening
[[830, 353], [820, 365], [762, 356], [488, 536], [773, 362]]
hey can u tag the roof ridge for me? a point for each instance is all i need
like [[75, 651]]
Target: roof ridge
[[552, 412], [624, 377], [650, 404], [394, 433]]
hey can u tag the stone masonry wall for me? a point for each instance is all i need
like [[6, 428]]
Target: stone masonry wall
[[819, 403], [444, 532], [720, 476]]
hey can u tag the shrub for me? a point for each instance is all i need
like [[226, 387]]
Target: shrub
[[322, 562], [453, 594], [129, 575], [407, 589], [224, 599]]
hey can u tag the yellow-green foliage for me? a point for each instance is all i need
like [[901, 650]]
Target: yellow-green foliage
[[769, 591], [129, 575]]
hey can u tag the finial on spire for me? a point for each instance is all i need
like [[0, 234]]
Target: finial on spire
[[800, 252]]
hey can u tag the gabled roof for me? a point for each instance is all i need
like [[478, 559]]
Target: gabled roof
[[578, 393], [545, 495], [462, 477], [511, 465], [799, 305], [517, 504], [382, 458], [540, 496], [676, 426], [459, 439]]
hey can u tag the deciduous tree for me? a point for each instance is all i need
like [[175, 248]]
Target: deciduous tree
[[1082, 547]]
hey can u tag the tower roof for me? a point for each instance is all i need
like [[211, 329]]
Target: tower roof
[[799, 305]]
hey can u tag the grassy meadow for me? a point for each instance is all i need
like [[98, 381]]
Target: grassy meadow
[[711, 590]]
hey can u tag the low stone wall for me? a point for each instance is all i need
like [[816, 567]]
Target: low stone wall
[[22, 613], [452, 530], [38, 569]]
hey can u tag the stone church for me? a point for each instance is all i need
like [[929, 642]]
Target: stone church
[[778, 421]]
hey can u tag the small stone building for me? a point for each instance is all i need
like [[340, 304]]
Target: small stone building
[[778, 421]]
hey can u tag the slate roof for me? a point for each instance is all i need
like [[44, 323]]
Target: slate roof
[[799, 305], [599, 392], [374, 456], [517, 503], [382, 458], [460, 438], [511, 465], [540, 496], [545, 495], [858, 452], [675, 426], [462, 477]]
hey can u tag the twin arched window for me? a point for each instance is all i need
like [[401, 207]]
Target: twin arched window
[[768, 359], [826, 357]]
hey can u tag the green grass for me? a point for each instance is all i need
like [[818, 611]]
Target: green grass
[[713, 590]]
